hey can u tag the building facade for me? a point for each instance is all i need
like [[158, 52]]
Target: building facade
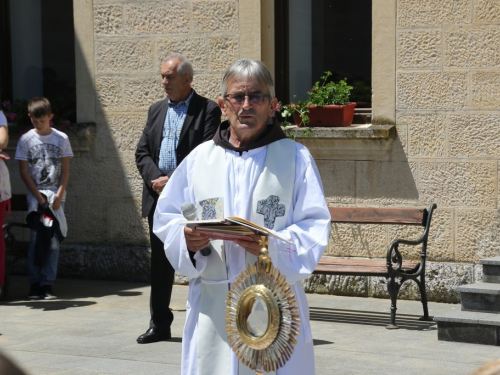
[[435, 76]]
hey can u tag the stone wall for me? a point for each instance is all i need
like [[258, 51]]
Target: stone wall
[[120, 45], [448, 115], [446, 104]]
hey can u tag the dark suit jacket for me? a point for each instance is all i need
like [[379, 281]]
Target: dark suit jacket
[[202, 119]]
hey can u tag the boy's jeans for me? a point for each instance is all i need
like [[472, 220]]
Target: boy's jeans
[[46, 274]]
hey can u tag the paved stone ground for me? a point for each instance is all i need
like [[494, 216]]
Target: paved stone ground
[[92, 329]]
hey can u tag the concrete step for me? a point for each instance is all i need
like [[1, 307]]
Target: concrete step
[[483, 297], [470, 327], [491, 269]]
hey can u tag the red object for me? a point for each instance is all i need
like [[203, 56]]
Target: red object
[[329, 115], [4, 212], [224, 236]]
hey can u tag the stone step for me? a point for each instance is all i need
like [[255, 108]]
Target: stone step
[[483, 297], [491, 269], [470, 327]]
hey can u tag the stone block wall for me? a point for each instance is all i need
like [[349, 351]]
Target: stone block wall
[[446, 110], [448, 59], [131, 39], [120, 45]]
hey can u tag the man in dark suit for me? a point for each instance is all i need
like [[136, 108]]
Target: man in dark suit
[[174, 127]]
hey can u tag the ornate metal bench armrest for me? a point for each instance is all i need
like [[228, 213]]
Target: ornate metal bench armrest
[[9, 237], [394, 257]]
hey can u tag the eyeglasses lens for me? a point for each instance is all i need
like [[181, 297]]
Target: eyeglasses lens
[[252, 98]]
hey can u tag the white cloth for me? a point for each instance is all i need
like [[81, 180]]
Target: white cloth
[[3, 119], [307, 226], [270, 201], [59, 213], [5, 192], [43, 154]]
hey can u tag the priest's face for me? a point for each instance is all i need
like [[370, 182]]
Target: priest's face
[[247, 106]]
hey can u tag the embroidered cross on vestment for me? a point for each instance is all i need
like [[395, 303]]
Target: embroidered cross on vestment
[[271, 209]]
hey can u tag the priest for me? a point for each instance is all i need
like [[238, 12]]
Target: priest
[[251, 170]]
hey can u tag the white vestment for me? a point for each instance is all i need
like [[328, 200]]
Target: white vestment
[[307, 226]]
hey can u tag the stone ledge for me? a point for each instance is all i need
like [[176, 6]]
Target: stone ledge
[[80, 136], [356, 142], [441, 280]]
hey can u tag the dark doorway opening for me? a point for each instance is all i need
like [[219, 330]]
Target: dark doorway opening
[[38, 53]]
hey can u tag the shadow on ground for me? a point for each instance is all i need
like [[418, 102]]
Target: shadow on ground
[[403, 321], [321, 342], [69, 292]]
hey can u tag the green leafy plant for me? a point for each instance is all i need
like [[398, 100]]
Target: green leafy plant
[[324, 92], [329, 93]]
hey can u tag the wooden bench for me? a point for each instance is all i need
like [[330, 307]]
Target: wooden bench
[[13, 248], [393, 268]]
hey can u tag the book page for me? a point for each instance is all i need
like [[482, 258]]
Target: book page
[[232, 225]]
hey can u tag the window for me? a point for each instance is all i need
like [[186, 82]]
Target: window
[[315, 36], [38, 52]]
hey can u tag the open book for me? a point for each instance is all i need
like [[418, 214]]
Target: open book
[[231, 228]]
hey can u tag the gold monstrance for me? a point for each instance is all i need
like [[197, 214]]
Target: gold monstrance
[[262, 315]]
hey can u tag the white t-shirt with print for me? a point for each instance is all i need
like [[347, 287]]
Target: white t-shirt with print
[[43, 154], [3, 119]]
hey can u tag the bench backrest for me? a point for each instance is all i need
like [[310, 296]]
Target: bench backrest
[[379, 215]]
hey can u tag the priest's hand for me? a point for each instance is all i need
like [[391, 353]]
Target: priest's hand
[[159, 184], [252, 247], [195, 240]]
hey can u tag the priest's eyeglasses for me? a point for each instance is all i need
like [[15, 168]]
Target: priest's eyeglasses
[[239, 97]]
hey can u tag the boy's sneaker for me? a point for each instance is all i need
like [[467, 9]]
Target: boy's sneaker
[[34, 292], [46, 292]]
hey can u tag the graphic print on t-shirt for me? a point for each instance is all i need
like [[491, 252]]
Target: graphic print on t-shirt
[[45, 165]]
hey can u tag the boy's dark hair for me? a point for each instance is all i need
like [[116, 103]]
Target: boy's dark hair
[[39, 106]]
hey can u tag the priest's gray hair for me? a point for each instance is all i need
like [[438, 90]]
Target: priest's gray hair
[[248, 68], [184, 67]]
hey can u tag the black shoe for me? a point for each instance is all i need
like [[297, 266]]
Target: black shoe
[[46, 292], [34, 292], [152, 335]]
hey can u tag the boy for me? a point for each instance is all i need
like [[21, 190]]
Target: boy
[[43, 155]]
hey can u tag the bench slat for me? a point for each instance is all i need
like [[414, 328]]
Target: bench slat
[[377, 215], [360, 267]]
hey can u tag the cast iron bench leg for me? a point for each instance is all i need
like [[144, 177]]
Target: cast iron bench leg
[[423, 295], [393, 289]]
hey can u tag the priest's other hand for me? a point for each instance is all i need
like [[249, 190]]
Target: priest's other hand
[[159, 184], [252, 247], [195, 240]]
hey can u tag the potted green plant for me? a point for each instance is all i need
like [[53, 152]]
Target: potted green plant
[[328, 105]]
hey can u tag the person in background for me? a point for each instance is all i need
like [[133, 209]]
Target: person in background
[[5, 193], [43, 154], [174, 127]]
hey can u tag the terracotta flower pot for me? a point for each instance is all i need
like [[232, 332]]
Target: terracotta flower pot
[[329, 115]]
